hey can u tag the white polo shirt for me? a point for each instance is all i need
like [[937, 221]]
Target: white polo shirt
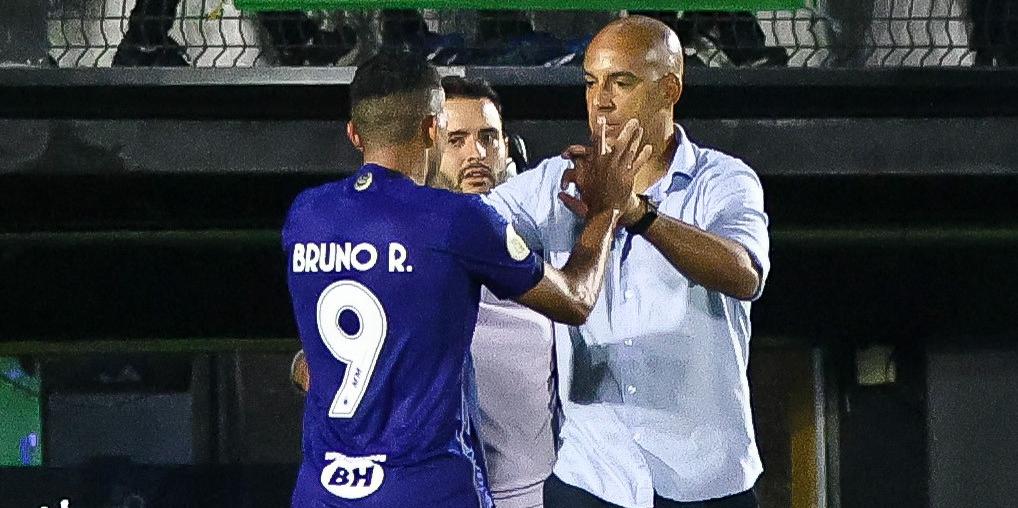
[[653, 387], [512, 356]]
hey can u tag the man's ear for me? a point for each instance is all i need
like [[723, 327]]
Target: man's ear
[[354, 136], [672, 86], [429, 130]]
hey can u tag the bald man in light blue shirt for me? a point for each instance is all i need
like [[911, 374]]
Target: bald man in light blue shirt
[[653, 387]]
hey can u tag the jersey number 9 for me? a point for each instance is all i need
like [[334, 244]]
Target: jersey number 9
[[352, 324]]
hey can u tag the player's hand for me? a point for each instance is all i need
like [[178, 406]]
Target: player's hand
[[606, 180], [634, 210], [575, 175], [299, 372]]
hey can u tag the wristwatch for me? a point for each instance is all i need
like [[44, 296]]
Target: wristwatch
[[640, 227]]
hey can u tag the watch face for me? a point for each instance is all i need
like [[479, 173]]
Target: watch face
[[647, 201]]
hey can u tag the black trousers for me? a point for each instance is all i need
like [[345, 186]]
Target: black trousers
[[558, 494], [994, 31]]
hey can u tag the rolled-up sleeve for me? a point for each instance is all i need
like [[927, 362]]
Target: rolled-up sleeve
[[735, 210]]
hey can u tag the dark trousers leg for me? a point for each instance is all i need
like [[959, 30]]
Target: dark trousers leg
[[23, 32], [745, 499], [147, 41], [150, 21], [558, 494], [852, 41]]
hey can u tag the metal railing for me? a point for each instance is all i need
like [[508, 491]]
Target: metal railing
[[828, 33]]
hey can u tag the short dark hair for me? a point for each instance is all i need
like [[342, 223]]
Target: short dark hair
[[464, 88], [391, 93]]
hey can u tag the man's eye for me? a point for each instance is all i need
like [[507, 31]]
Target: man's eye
[[456, 141], [590, 84]]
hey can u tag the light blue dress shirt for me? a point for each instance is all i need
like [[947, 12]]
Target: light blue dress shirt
[[653, 387]]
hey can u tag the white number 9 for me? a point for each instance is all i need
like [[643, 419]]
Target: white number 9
[[352, 324]]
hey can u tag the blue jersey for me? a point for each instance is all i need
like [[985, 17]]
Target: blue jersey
[[385, 278]]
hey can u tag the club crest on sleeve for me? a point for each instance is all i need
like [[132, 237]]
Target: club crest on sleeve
[[518, 249], [363, 182]]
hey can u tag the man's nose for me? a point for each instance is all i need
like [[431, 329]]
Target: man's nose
[[604, 100], [476, 150]]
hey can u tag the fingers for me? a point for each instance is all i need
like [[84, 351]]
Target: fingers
[[575, 174], [599, 143], [641, 159], [574, 151], [621, 155], [574, 204], [632, 149], [568, 177], [625, 136]]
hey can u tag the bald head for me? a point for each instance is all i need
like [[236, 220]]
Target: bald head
[[642, 38], [633, 69]]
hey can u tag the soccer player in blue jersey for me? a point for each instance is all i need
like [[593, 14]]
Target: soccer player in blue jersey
[[385, 277]]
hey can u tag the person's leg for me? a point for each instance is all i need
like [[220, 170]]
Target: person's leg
[[290, 33], [23, 33], [1008, 55], [559, 494], [979, 39], [147, 41], [851, 35]]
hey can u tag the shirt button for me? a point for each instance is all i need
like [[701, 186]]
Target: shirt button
[[631, 389], [629, 294], [628, 342], [636, 436]]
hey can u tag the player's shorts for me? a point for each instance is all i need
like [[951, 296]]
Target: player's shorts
[[446, 481]]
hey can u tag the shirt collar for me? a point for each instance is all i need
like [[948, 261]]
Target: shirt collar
[[681, 170], [379, 170], [368, 175]]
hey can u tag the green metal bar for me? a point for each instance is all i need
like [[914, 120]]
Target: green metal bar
[[546, 5], [270, 237], [166, 345]]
